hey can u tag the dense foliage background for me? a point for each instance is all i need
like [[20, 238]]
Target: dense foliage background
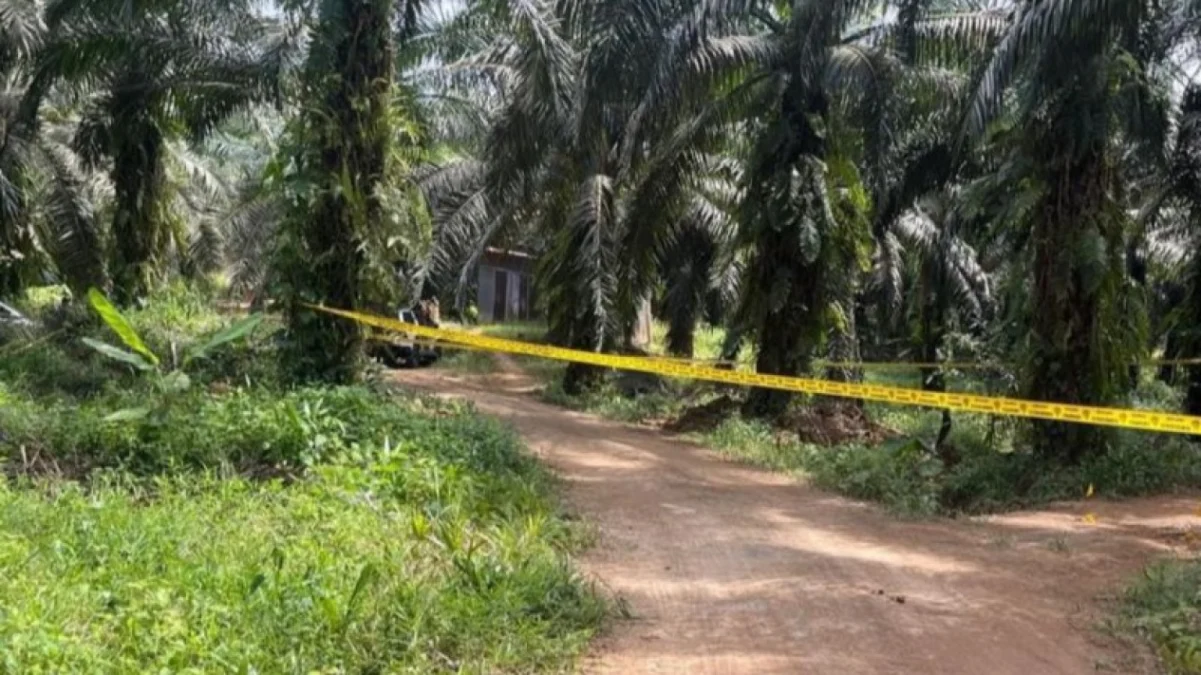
[[1006, 193], [921, 180]]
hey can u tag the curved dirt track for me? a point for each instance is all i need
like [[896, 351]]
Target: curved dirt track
[[730, 569]]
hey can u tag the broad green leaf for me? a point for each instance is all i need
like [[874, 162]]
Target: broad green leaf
[[128, 415], [235, 331], [118, 354], [119, 325], [905, 447]]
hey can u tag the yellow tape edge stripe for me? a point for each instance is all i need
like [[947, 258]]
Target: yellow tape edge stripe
[[909, 365], [1125, 418]]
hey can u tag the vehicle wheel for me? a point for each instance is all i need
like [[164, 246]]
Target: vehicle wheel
[[391, 358]]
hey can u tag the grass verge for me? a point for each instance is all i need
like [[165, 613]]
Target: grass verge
[[250, 528], [1164, 607], [906, 477], [991, 471]]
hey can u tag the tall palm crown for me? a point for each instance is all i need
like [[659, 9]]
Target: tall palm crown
[[150, 72], [45, 214], [1072, 76]]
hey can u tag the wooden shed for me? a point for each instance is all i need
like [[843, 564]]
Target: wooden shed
[[505, 291]]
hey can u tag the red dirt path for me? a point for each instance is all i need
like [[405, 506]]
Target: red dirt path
[[730, 569]]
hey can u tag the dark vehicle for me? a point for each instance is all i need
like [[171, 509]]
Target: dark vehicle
[[406, 350]]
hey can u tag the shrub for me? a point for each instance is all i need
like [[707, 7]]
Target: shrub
[[368, 532], [248, 429], [610, 403], [54, 368], [1165, 607]]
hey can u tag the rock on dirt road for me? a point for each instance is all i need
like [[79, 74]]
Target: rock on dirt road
[[730, 569]]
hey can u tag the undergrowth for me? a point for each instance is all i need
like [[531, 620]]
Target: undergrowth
[[252, 527], [467, 361], [1164, 607], [611, 403], [906, 476], [993, 471], [379, 561]]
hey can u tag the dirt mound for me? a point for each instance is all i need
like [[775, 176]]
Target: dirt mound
[[834, 423], [703, 418], [827, 423]]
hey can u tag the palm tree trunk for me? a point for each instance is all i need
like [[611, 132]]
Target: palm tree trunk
[[844, 348], [933, 331], [1188, 346], [789, 332], [1136, 270], [139, 181], [1192, 399], [350, 72], [681, 340], [580, 378], [13, 245], [681, 324], [794, 290], [1065, 363]]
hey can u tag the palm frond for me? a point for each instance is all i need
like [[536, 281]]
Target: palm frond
[[1035, 26], [22, 32], [73, 239], [248, 231]]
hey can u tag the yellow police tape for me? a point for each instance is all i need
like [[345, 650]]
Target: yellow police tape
[[1146, 420], [936, 365]]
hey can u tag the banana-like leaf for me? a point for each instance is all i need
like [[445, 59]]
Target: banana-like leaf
[[231, 333], [118, 354], [128, 415], [112, 317]]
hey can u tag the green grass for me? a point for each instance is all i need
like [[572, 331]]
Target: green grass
[[707, 343], [256, 528], [1164, 607], [906, 477], [389, 561], [610, 403], [527, 331], [477, 362], [467, 361]]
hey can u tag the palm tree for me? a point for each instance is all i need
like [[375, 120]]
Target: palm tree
[[804, 214], [346, 157], [607, 121], [699, 269], [1077, 69], [47, 228], [149, 74], [581, 152], [823, 89], [949, 288], [1178, 205]]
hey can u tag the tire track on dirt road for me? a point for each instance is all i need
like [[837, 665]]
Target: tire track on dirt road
[[731, 569]]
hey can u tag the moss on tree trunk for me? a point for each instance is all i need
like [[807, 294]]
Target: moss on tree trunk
[[343, 151], [1066, 363]]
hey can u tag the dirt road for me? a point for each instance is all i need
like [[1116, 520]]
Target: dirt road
[[729, 569]]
